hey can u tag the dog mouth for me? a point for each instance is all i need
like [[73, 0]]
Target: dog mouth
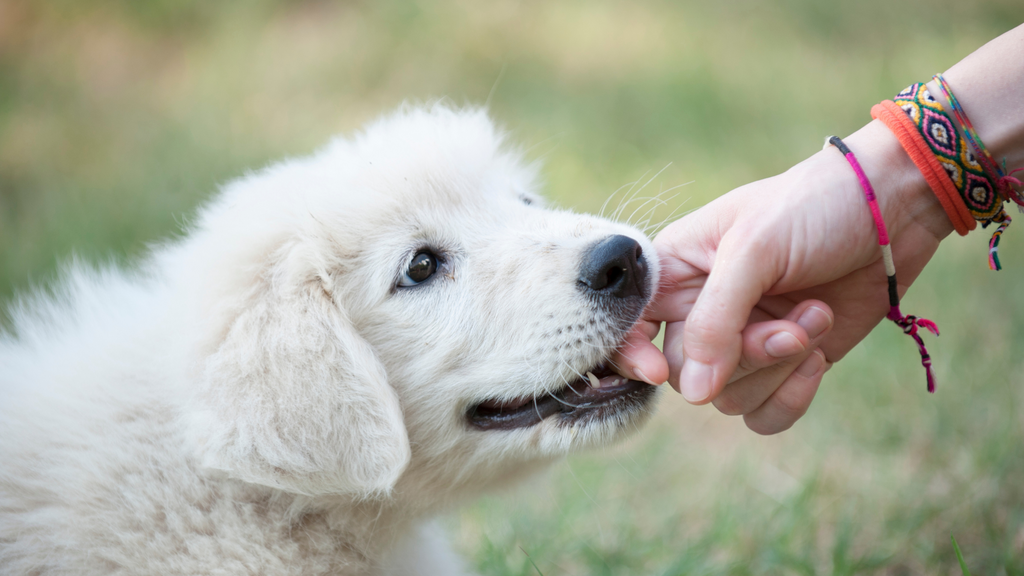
[[599, 395]]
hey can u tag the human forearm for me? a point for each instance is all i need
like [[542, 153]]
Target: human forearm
[[990, 85]]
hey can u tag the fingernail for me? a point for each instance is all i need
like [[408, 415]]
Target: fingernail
[[640, 376], [811, 366], [695, 380], [815, 321], [783, 345]]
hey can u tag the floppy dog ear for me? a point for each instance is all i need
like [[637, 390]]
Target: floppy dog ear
[[293, 397]]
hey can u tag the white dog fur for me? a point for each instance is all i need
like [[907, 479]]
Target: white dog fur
[[260, 398]]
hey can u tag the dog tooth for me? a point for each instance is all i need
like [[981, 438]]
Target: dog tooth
[[594, 382]]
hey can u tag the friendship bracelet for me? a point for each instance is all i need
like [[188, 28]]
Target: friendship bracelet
[[905, 130], [973, 182], [1004, 182], [908, 323], [1003, 219], [951, 151]]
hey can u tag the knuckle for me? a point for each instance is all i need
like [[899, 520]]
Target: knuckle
[[730, 404], [704, 339], [792, 406], [701, 328], [748, 366]]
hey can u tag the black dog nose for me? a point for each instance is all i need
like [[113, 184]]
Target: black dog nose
[[615, 267]]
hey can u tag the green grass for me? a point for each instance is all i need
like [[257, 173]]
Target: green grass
[[960, 557], [117, 117]]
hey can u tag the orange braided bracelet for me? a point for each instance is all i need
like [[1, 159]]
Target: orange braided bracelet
[[945, 190]]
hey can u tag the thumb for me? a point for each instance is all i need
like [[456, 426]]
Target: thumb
[[638, 358], [713, 334]]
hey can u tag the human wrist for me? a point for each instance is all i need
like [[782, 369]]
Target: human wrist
[[903, 193]]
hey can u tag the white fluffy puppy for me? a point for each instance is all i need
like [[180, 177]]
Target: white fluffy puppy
[[340, 347]]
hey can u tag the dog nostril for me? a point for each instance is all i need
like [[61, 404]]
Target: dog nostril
[[613, 275], [615, 267]]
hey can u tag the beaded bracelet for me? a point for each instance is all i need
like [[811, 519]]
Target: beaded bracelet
[[908, 323]]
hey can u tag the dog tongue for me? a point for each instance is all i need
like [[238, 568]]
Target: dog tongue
[[506, 404]]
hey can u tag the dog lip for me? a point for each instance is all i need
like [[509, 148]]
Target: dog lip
[[505, 405], [573, 402]]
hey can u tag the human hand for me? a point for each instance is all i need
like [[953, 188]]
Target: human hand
[[790, 259]]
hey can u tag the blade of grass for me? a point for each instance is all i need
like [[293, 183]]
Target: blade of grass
[[959, 557], [531, 561]]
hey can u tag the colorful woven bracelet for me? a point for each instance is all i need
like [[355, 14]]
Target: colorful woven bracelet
[[980, 186], [1002, 182], [952, 151], [909, 324], [906, 131], [961, 161]]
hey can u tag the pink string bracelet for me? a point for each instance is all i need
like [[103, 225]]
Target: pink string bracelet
[[908, 323]]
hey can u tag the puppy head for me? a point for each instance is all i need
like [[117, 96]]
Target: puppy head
[[408, 288]]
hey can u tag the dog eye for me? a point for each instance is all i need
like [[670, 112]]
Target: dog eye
[[422, 266], [526, 200]]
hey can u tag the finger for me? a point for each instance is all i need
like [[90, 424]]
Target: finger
[[769, 343], [638, 358], [748, 392], [673, 350], [648, 328], [712, 338], [791, 401], [674, 301], [762, 328], [787, 339], [685, 250]]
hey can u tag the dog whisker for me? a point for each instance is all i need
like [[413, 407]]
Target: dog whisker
[[659, 200], [646, 201], [612, 195], [658, 173], [645, 218], [675, 215], [628, 197], [574, 371]]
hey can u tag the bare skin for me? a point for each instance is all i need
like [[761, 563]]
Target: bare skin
[[767, 286]]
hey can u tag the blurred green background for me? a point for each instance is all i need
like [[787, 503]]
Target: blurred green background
[[118, 116]]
